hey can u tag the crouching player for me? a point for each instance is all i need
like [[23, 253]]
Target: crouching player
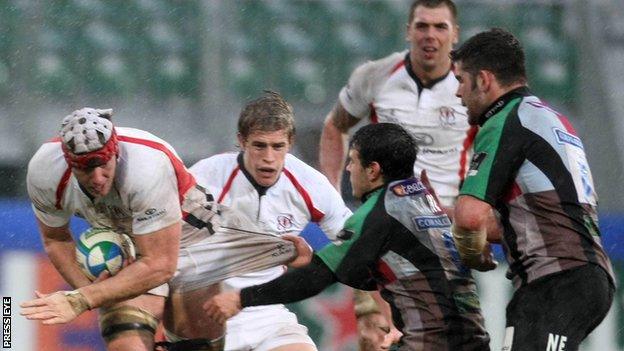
[[134, 183]]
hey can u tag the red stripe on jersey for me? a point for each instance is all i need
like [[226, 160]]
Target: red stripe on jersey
[[54, 140], [562, 118], [315, 213], [373, 114], [386, 272], [463, 156], [184, 178], [397, 66], [60, 189], [513, 193], [568, 126], [228, 184]]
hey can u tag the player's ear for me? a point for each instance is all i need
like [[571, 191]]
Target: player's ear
[[456, 30], [291, 141], [373, 171], [241, 140], [484, 80]]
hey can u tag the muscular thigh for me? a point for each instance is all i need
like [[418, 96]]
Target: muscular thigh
[[184, 315]]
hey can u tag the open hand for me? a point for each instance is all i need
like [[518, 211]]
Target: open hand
[[49, 308]]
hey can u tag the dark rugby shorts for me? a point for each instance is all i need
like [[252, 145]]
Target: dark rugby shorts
[[558, 311]]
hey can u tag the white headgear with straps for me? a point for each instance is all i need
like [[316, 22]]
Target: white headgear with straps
[[86, 130]]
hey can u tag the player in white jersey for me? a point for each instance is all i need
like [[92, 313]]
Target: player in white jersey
[[134, 183], [282, 195], [415, 89]]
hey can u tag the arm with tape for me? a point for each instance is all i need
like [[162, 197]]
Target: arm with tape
[[475, 224]]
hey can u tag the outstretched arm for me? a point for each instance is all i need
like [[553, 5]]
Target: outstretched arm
[[295, 285], [333, 142]]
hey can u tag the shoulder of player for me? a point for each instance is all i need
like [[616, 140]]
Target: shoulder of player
[[135, 133], [216, 162], [140, 167], [47, 165], [305, 174], [531, 108], [381, 67], [214, 170]]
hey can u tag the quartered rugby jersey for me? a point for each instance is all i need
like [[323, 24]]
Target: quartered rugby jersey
[[400, 240], [387, 90], [530, 165]]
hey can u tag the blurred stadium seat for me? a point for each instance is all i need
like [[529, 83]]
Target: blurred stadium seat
[[154, 46]]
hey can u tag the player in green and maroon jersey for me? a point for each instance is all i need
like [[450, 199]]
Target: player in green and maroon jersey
[[529, 166], [399, 241]]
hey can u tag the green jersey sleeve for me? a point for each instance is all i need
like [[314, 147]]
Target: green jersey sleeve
[[497, 156], [353, 260]]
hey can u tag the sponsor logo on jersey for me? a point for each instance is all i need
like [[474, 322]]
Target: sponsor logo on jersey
[[494, 110], [427, 222], [426, 150], [151, 214], [475, 163], [284, 221], [567, 138], [447, 116], [408, 188]]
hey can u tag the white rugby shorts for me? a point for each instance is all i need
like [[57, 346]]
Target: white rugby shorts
[[264, 328]]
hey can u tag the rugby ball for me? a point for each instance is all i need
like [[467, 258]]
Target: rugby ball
[[101, 249]]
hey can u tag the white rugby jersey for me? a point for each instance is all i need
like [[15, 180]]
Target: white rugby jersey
[[150, 182], [300, 195], [387, 90]]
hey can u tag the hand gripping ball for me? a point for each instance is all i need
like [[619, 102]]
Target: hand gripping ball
[[101, 249]]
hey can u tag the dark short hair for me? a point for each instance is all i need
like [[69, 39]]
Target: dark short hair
[[495, 50], [388, 144], [432, 4], [268, 113]]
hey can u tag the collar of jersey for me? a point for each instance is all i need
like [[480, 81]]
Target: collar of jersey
[[502, 101], [372, 192], [419, 83]]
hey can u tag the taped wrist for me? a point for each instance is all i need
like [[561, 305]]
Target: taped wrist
[[77, 301], [469, 244], [364, 303]]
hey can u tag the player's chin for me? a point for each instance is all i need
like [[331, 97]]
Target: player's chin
[[266, 178]]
